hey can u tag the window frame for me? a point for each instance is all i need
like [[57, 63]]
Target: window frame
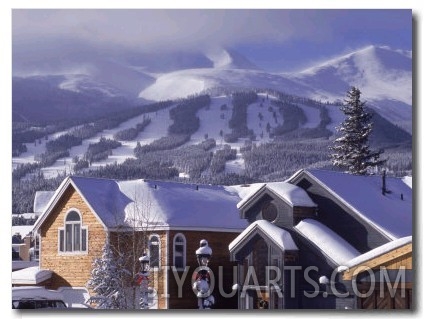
[[63, 237], [184, 251]]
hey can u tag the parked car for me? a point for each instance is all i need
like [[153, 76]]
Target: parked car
[[36, 298]]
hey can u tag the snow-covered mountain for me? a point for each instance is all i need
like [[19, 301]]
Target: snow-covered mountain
[[383, 75]]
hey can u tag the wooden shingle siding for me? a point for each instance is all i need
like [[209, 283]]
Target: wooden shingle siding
[[70, 269]]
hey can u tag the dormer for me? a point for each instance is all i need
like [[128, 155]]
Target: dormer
[[280, 203]]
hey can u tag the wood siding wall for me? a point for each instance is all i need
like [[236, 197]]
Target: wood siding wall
[[70, 269], [220, 264]]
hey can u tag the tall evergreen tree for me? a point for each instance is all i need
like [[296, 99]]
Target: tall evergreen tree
[[107, 281], [351, 150]]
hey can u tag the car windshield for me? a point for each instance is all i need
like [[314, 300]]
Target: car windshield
[[37, 304]]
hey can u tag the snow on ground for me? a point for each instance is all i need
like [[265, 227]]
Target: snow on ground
[[212, 120], [258, 123]]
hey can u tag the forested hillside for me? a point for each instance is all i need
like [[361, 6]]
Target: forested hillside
[[231, 137]]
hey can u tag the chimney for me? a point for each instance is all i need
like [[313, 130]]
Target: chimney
[[384, 190]]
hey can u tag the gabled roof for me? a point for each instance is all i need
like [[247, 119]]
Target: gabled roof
[[277, 235], [367, 257], [292, 194], [327, 241], [140, 203], [391, 213], [41, 200]]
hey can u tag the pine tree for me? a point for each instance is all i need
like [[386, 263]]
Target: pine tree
[[351, 149], [107, 278]]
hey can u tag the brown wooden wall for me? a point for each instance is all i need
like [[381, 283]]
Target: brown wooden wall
[[75, 269], [219, 242], [70, 269]]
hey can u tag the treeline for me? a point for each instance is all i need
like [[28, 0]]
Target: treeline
[[280, 159], [100, 150], [163, 143], [293, 117], [320, 131], [23, 192], [238, 121], [130, 134], [219, 159], [184, 116], [29, 133], [164, 164]]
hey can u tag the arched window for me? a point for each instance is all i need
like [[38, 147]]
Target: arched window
[[154, 249], [179, 251], [73, 236]]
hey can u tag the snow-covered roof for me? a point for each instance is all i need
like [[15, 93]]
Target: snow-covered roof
[[376, 252], [142, 203], [330, 243], [41, 201], [249, 192], [292, 194], [30, 276], [279, 236], [390, 213]]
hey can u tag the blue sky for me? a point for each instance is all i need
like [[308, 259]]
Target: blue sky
[[274, 39]]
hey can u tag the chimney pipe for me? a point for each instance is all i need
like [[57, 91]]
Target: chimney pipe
[[384, 191]]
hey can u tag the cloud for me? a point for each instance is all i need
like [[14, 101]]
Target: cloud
[[48, 37], [148, 29]]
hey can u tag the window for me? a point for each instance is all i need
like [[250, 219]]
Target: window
[[73, 236], [154, 248], [269, 211], [179, 251]]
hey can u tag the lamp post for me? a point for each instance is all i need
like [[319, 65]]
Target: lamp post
[[143, 280], [202, 284]]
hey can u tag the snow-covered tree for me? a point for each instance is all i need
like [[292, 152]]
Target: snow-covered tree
[[116, 275], [107, 281], [351, 150]]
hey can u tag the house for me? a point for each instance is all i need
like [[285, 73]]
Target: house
[[325, 239], [23, 247], [165, 220]]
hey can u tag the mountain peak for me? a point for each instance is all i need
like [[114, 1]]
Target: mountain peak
[[229, 59]]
